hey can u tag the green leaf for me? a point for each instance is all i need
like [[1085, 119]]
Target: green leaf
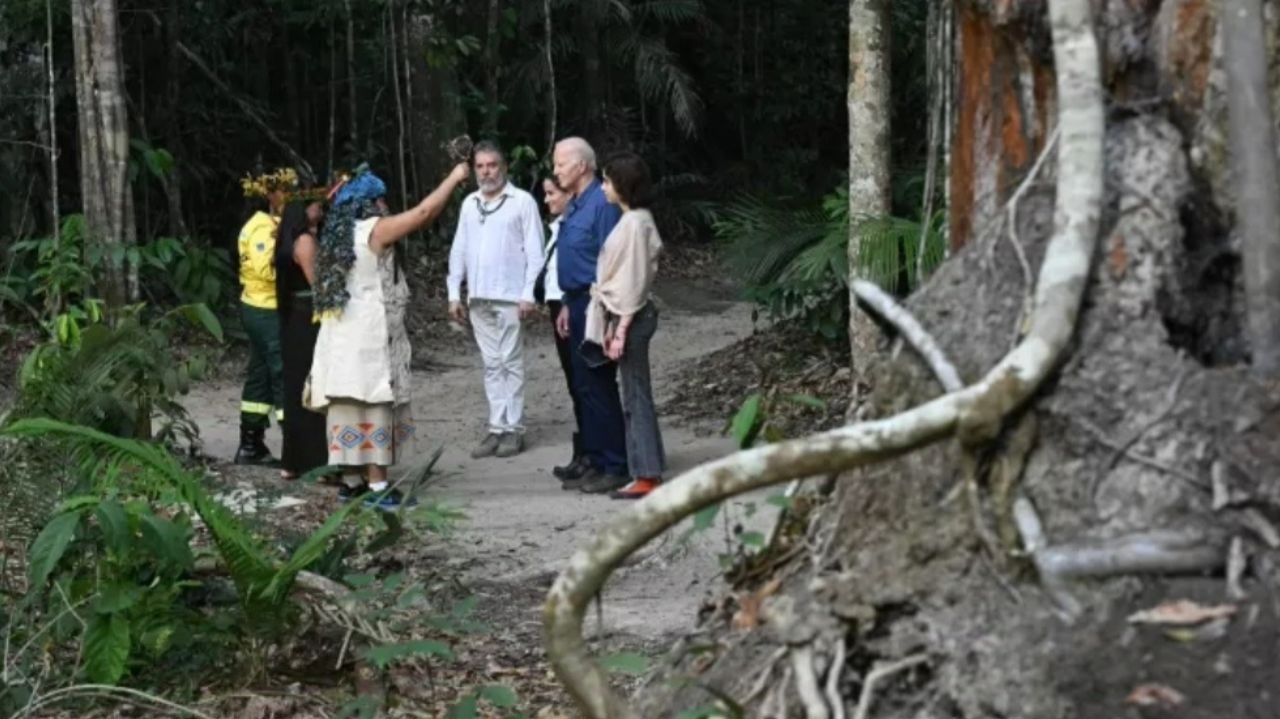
[[49, 546], [705, 518], [106, 648], [752, 539], [746, 422], [169, 541], [117, 597], [358, 581], [465, 709], [200, 315], [76, 503], [500, 696], [384, 654], [781, 501], [625, 663]]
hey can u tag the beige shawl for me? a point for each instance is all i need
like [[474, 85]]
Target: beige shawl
[[625, 271]]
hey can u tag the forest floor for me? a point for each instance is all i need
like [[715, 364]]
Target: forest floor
[[519, 527]]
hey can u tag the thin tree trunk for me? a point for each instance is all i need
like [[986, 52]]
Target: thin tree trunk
[[1253, 153], [868, 101], [394, 47], [333, 101], [405, 54], [491, 68], [55, 213], [351, 77], [104, 143], [589, 44], [548, 37]]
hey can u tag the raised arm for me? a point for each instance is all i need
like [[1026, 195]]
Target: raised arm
[[391, 230]]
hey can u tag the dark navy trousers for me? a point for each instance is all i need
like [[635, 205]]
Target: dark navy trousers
[[603, 435]]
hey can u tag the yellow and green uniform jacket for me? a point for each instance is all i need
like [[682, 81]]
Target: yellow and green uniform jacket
[[257, 247]]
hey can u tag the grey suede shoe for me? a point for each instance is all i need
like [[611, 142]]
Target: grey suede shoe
[[488, 447], [511, 444]]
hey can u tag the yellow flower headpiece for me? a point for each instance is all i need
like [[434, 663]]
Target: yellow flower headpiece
[[285, 179]]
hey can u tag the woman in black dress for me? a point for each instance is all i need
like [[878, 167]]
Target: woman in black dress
[[305, 438]]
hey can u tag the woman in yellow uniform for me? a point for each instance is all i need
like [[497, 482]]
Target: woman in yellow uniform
[[263, 385]]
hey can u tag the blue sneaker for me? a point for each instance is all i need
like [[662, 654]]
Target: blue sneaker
[[388, 500]]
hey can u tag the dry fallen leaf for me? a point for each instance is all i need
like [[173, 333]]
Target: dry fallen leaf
[[1149, 695], [748, 614], [1182, 612]]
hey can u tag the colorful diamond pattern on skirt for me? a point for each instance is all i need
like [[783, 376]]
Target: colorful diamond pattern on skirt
[[361, 436]]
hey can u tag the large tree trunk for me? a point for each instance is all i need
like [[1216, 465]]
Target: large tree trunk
[[1257, 187], [104, 143], [868, 100], [1152, 425]]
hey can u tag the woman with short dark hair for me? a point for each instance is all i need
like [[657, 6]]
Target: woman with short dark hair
[[622, 319]]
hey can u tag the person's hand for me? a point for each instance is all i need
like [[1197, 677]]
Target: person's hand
[[615, 346], [458, 312], [527, 310], [461, 172], [562, 323]]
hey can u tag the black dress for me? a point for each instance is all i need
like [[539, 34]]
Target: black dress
[[305, 438]]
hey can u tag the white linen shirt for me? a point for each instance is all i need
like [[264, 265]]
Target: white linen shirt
[[552, 281], [499, 256]]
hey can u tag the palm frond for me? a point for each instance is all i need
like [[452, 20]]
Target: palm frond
[[673, 11], [662, 79], [246, 559], [761, 240]]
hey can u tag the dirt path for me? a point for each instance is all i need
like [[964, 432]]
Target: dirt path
[[521, 526]]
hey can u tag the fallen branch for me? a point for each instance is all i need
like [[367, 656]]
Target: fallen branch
[[1163, 552], [1101, 437], [878, 674], [911, 330], [974, 413]]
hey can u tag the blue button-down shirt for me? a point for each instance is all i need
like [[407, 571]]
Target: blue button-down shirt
[[584, 227]]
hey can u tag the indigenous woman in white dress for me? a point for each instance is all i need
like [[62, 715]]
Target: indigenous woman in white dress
[[360, 373]]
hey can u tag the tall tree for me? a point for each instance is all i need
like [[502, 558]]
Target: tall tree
[[1253, 142], [104, 142], [492, 66], [868, 101]]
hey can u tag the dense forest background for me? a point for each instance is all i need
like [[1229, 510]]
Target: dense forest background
[[724, 97]]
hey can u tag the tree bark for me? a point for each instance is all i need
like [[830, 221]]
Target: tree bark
[[547, 38], [104, 142], [491, 69], [351, 78], [1253, 155], [868, 102]]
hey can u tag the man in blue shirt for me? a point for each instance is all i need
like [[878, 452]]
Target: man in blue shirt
[[584, 227]]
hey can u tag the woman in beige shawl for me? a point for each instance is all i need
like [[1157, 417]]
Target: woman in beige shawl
[[622, 318]]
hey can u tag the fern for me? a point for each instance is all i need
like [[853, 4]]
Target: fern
[[261, 583]]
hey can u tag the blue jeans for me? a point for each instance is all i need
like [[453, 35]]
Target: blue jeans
[[603, 437]]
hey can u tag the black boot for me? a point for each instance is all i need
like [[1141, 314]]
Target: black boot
[[253, 450], [576, 467]]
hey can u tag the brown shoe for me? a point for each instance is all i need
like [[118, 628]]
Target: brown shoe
[[605, 483]]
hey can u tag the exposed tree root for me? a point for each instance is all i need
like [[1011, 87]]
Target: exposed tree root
[[975, 413], [878, 674], [912, 331], [1147, 552]]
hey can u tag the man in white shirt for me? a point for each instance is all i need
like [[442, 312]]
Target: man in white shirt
[[497, 251]]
